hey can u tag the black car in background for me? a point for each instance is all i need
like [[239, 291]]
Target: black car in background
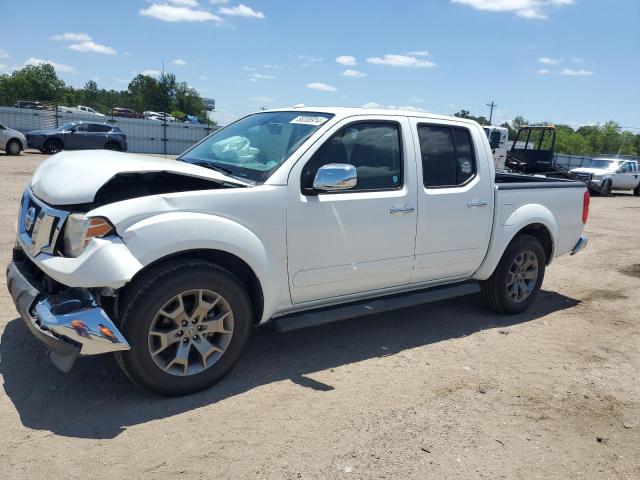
[[78, 136]]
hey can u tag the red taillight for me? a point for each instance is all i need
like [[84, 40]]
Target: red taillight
[[585, 206]]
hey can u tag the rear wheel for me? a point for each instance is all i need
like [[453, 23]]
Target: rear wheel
[[606, 187], [112, 146], [13, 147], [53, 146], [517, 279], [187, 324], [636, 191]]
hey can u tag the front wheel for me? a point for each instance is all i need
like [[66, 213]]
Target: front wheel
[[53, 146], [13, 147], [607, 186], [113, 146], [636, 191], [187, 324], [517, 279]]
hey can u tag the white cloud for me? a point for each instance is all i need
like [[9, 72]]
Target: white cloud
[[271, 67], [241, 10], [202, 77], [218, 2], [419, 53], [60, 67], [416, 99], [401, 61], [151, 73], [72, 37], [569, 72], [92, 47], [185, 3], [86, 43], [261, 76], [372, 105], [323, 87], [126, 54], [170, 13], [550, 61], [120, 80], [346, 60], [577, 60], [542, 71], [532, 9], [3, 53], [309, 60], [179, 61], [353, 73]]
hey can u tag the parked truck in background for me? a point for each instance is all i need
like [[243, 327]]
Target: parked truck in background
[[610, 174], [299, 217], [498, 142]]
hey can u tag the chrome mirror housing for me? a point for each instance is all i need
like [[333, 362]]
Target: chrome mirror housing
[[335, 177]]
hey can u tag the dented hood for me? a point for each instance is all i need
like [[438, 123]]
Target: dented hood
[[70, 178]]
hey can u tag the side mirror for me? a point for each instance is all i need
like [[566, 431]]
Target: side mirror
[[335, 177]]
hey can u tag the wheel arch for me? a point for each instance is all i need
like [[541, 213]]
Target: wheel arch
[[531, 219], [234, 264]]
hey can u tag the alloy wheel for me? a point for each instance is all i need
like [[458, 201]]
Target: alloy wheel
[[191, 332], [522, 276]]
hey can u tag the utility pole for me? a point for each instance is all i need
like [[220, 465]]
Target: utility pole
[[491, 106]]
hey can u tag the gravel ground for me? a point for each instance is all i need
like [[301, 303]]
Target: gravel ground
[[446, 390]]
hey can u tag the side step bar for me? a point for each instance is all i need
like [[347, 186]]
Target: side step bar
[[314, 318]]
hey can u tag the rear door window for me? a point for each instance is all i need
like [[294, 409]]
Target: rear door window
[[448, 157]]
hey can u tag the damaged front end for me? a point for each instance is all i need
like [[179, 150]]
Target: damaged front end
[[69, 322]]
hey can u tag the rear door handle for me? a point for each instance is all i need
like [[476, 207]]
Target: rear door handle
[[401, 210], [477, 203]]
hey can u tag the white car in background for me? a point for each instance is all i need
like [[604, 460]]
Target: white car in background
[[611, 174], [160, 116], [12, 141], [82, 109]]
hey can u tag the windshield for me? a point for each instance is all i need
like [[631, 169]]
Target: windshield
[[255, 146], [601, 163]]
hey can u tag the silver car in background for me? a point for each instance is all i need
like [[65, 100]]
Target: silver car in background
[[12, 141]]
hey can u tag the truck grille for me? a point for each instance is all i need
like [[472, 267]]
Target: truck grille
[[39, 225], [585, 177]]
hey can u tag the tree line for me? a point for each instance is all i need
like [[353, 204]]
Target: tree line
[[591, 140], [159, 94]]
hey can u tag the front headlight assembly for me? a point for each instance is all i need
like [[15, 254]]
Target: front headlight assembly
[[596, 178], [79, 230]]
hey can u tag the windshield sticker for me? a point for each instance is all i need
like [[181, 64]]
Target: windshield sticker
[[309, 120]]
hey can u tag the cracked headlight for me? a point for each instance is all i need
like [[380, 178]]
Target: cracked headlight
[[79, 230]]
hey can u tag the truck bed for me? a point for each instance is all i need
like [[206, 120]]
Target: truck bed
[[513, 181]]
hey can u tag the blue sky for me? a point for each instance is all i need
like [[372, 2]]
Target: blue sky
[[567, 61]]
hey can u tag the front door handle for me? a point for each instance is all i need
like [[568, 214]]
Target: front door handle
[[401, 210], [477, 203]]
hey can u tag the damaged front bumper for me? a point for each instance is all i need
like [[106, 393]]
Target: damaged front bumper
[[70, 323]]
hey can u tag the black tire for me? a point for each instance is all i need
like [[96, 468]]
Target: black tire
[[606, 188], [636, 191], [495, 289], [13, 147], [146, 296], [53, 146], [113, 146]]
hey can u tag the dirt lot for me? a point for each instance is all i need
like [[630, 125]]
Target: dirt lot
[[447, 390]]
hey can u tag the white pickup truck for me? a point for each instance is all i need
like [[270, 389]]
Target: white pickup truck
[[611, 174], [300, 217]]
